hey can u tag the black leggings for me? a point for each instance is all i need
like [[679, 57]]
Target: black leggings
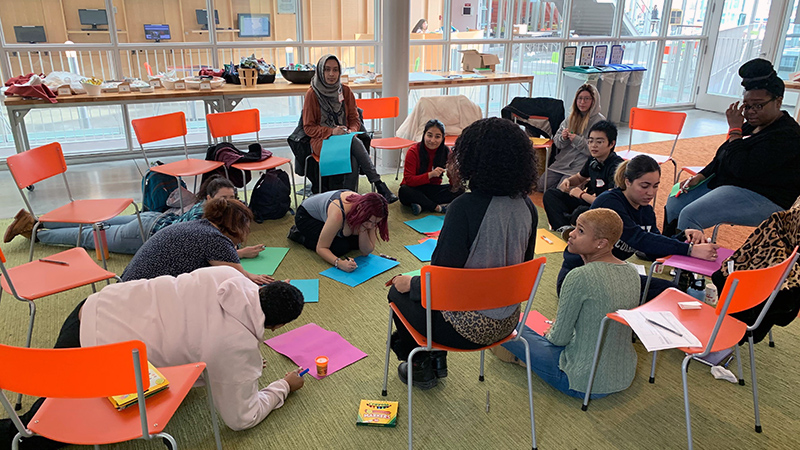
[[428, 196], [561, 208], [311, 228]]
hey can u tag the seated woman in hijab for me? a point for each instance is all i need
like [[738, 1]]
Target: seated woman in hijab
[[755, 172], [329, 110]]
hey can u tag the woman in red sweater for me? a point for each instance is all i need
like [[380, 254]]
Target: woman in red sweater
[[422, 187]]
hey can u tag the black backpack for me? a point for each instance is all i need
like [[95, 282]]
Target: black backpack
[[271, 198]]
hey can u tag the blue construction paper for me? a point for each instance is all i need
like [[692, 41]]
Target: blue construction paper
[[428, 224], [334, 158], [423, 251], [309, 288], [424, 76], [368, 267]]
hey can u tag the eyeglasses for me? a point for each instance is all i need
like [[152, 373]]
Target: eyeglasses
[[584, 99], [758, 106]]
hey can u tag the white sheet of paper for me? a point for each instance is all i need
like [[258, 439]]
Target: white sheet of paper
[[640, 269], [654, 337]]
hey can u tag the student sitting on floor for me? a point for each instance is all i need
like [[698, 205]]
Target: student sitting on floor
[[422, 187], [575, 194], [563, 356], [335, 223], [214, 315], [185, 247]]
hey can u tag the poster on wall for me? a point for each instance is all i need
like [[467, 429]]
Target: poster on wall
[[600, 55], [616, 54], [286, 7], [570, 56], [586, 55]]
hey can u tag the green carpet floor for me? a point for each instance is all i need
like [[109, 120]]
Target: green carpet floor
[[452, 415]]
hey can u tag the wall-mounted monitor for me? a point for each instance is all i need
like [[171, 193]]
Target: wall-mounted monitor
[[253, 25], [202, 17], [30, 34], [93, 17], [156, 32]]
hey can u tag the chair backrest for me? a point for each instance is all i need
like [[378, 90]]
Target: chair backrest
[[452, 289], [755, 285], [158, 128], [667, 122], [233, 123], [379, 108], [87, 372], [36, 164]]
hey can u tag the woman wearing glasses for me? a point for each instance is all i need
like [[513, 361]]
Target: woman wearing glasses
[[756, 172], [337, 222]]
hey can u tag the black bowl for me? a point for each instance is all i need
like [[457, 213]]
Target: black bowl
[[298, 76]]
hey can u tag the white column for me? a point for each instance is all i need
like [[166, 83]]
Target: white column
[[396, 38]]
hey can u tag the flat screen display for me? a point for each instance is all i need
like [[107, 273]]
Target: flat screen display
[[253, 25], [154, 32], [30, 34], [202, 17], [93, 17]]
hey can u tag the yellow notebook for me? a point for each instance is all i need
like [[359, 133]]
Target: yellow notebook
[[377, 413], [157, 384]]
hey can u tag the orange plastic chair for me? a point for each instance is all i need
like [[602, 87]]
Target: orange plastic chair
[[41, 163], [228, 124], [34, 280], [167, 126], [384, 108], [77, 409], [451, 289], [715, 329]]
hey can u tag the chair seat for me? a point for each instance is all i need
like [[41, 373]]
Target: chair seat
[[95, 421], [391, 143], [699, 322], [187, 167], [87, 211], [422, 340], [38, 279], [546, 144], [630, 154], [269, 163]]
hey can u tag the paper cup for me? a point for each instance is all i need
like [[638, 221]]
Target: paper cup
[[322, 365]]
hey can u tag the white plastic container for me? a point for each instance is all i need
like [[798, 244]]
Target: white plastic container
[[93, 90]]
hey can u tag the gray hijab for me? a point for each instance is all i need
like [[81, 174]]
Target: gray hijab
[[332, 113]]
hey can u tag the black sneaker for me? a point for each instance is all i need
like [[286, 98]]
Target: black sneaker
[[296, 235], [416, 209], [424, 377], [382, 189]]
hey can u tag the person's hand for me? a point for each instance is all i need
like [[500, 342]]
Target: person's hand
[[735, 115], [694, 236], [339, 131], [402, 283], [346, 264], [705, 251], [260, 279], [251, 251], [436, 172], [576, 192], [692, 182], [565, 133], [572, 136], [564, 186], [294, 379]]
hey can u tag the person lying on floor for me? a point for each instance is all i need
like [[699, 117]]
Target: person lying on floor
[[338, 222], [188, 246], [422, 188], [122, 232], [604, 284], [215, 315], [637, 181]]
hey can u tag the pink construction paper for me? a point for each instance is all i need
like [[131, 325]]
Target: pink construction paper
[[303, 345], [697, 265]]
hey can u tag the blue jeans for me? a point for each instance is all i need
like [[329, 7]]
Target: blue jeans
[[544, 362], [122, 235], [702, 207]]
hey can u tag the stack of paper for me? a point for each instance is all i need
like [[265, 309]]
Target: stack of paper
[[659, 330]]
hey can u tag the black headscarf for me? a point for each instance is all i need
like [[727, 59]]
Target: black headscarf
[[759, 74]]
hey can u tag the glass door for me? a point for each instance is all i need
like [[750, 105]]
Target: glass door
[[744, 29]]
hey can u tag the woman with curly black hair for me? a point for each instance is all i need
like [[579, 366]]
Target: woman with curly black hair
[[492, 225]]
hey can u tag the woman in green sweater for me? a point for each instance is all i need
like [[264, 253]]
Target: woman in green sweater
[[604, 284]]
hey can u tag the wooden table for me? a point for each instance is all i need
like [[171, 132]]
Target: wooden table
[[229, 96]]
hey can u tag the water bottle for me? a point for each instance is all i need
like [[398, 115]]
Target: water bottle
[[101, 230], [697, 289], [711, 294]]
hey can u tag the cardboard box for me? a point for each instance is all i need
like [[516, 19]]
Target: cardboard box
[[472, 59]]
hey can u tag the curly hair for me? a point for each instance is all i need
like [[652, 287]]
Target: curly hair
[[211, 186], [494, 156], [281, 303], [232, 217], [366, 206]]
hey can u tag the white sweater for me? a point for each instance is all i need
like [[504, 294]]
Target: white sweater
[[211, 315]]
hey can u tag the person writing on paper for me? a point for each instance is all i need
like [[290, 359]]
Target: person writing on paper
[[420, 27], [576, 194], [335, 223], [562, 357], [185, 247], [570, 139], [214, 315], [330, 110], [754, 173], [422, 187], [492, 225], [637, 181]]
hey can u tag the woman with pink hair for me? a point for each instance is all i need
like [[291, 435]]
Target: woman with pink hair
[[334, 223]]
